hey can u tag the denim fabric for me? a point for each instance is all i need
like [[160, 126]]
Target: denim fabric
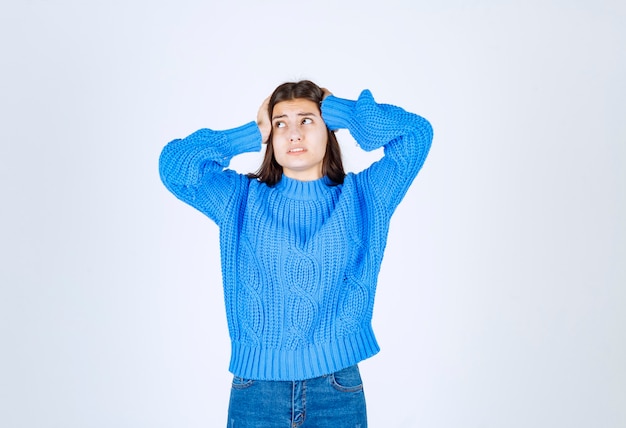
[[334, 401]]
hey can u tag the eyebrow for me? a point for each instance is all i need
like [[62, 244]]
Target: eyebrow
[[298, 114]]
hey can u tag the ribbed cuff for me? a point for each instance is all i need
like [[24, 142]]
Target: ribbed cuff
[[244, 139], [336, 112]]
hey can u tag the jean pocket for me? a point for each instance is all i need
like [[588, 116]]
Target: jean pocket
[[347, 380], [241, 383]]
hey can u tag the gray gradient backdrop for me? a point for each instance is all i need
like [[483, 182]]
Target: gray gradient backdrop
[[501, 298]]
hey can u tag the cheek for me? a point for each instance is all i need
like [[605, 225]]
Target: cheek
[[324, 141], [278, 152], [278, 141]]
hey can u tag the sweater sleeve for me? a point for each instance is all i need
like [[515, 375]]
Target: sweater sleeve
[[194, 168], [405, 137]]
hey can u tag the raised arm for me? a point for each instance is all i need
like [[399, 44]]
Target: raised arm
[[194, 168], [406, 138]]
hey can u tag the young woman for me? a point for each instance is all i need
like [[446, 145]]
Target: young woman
[[301, 246]]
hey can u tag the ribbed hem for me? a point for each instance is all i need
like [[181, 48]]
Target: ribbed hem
[[244, 139], [304, 363]]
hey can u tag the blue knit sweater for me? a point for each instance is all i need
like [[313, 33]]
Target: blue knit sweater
[[300, 260]]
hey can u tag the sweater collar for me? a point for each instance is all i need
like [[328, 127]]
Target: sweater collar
[[304, 190]]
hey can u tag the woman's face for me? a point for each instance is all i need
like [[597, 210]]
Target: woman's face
[[299, 138]]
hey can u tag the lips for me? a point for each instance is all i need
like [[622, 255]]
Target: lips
[[297, 150]]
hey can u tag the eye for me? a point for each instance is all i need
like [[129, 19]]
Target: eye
[[307, 121], [279, 124]]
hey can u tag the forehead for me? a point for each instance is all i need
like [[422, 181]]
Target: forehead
[[298, 105]]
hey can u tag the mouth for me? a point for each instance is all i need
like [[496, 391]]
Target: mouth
[[297, 150]]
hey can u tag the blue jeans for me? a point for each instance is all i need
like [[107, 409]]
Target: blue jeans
[[334, 401]]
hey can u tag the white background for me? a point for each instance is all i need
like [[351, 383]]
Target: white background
[[501, 299]]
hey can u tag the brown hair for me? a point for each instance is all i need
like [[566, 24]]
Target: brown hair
[[270, 172]]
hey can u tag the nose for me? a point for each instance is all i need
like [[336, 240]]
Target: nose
[[295, 136]]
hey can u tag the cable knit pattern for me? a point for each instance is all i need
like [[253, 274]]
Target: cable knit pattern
[[300, 260]]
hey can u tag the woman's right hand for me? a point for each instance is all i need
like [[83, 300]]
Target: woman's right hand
[[263, 120]]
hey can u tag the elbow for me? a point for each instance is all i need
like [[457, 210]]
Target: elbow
[[425, 131], [423, 138], [167, 164]]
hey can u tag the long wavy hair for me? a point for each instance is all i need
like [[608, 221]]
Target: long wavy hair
[[270, 172]]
